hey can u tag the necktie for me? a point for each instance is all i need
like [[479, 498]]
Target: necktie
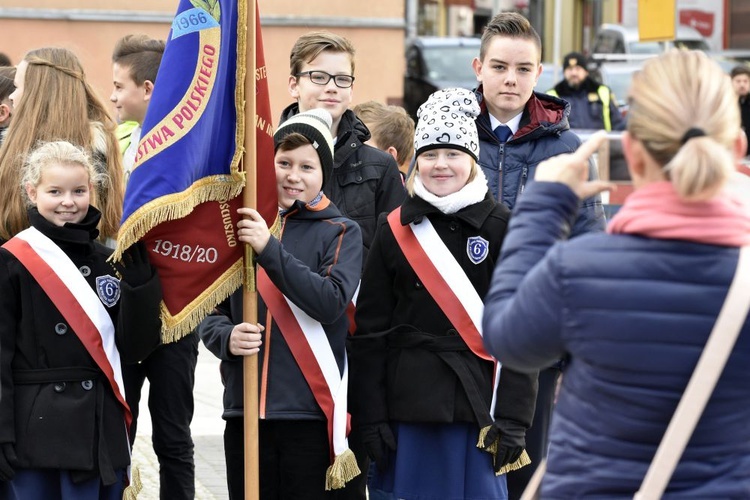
[[503, 133]]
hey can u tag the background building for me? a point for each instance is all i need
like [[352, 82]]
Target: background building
[[91, 27], [378, 29]]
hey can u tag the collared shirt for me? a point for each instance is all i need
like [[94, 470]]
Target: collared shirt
[[513, 123]]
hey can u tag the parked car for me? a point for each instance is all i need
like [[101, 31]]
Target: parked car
[[434, 63], [615, 42]]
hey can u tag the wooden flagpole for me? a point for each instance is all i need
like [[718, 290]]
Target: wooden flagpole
[[250, 296]]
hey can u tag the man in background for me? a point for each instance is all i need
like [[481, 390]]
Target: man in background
[[592, 105]]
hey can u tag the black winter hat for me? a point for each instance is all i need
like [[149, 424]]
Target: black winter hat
[[575, 59], [315, 125]]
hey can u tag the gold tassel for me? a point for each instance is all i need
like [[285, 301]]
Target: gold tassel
[[522, 461], [343, 470], [134, 488], [492, 447]]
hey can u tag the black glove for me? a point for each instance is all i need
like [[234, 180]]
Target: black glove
[[7, 461], [135, 267], [506, 441], [378, 440], [509, 449]]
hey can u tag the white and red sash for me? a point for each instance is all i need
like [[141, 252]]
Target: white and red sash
[[447, 283], [77, 302], [351, 310], [311, 350]]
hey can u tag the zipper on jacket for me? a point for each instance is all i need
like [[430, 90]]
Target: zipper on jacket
[[522, 184], [501, 159]]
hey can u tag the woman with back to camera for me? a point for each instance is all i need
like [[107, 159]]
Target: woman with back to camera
[[53, 101], [633, 308]]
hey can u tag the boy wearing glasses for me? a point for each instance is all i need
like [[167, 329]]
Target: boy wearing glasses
[[365, 181]]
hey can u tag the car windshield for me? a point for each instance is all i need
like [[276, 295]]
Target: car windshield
[[450, 63]]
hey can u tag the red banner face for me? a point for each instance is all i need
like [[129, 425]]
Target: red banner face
[[268, 201], [191, 256]]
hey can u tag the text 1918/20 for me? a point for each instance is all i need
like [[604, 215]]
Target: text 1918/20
[[186, 253]]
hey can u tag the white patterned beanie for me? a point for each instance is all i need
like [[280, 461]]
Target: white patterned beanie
[[315, 125], [446, 120]]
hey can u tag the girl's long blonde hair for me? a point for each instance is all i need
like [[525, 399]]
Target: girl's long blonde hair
[[58, 104]]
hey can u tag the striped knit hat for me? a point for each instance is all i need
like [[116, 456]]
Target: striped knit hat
[[315, 125]]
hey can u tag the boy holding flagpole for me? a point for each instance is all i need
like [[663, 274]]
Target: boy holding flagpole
[[307, 277]]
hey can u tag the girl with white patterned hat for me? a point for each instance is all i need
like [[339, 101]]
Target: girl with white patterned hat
[[435, 414]]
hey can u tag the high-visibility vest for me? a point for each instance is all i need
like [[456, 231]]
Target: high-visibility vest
[[604, 96], [123, 133]]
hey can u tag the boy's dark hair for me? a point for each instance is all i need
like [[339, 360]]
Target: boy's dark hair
[[389, 126], [309, 46], [512, 25], [141, 54], [5, 60], [7, 74], [740, 70]]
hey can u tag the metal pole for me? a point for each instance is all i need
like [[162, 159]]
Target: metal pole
[[412, 7], [557, 40]]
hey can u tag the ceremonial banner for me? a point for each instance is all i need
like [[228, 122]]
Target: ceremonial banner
[[182, 197]]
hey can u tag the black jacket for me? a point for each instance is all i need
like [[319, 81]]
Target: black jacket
[[316, 264], [366, 181], [57, 405], [543, 133], [406, 355]]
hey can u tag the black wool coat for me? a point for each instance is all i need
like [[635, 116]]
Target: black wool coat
[[399, 367], [56, 405]]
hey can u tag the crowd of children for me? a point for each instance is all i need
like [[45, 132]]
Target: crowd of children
[[406, 221]]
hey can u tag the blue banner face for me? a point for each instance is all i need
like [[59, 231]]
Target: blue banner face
[[188, 150]]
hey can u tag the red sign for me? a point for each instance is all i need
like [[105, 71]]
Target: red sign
[[699, 20]]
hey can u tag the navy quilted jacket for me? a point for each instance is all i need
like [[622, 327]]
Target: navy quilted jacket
[[543, 133], [633, 314]]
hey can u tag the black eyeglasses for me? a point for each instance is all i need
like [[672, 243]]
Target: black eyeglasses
[[322, 78]]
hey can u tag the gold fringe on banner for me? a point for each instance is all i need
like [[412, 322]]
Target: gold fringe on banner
[[176, 206], [175, 327]]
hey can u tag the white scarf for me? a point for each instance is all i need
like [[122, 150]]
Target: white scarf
[[473, 192]]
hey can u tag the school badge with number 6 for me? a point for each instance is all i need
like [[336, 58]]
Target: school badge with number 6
[[477, 248], [108, 289]]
